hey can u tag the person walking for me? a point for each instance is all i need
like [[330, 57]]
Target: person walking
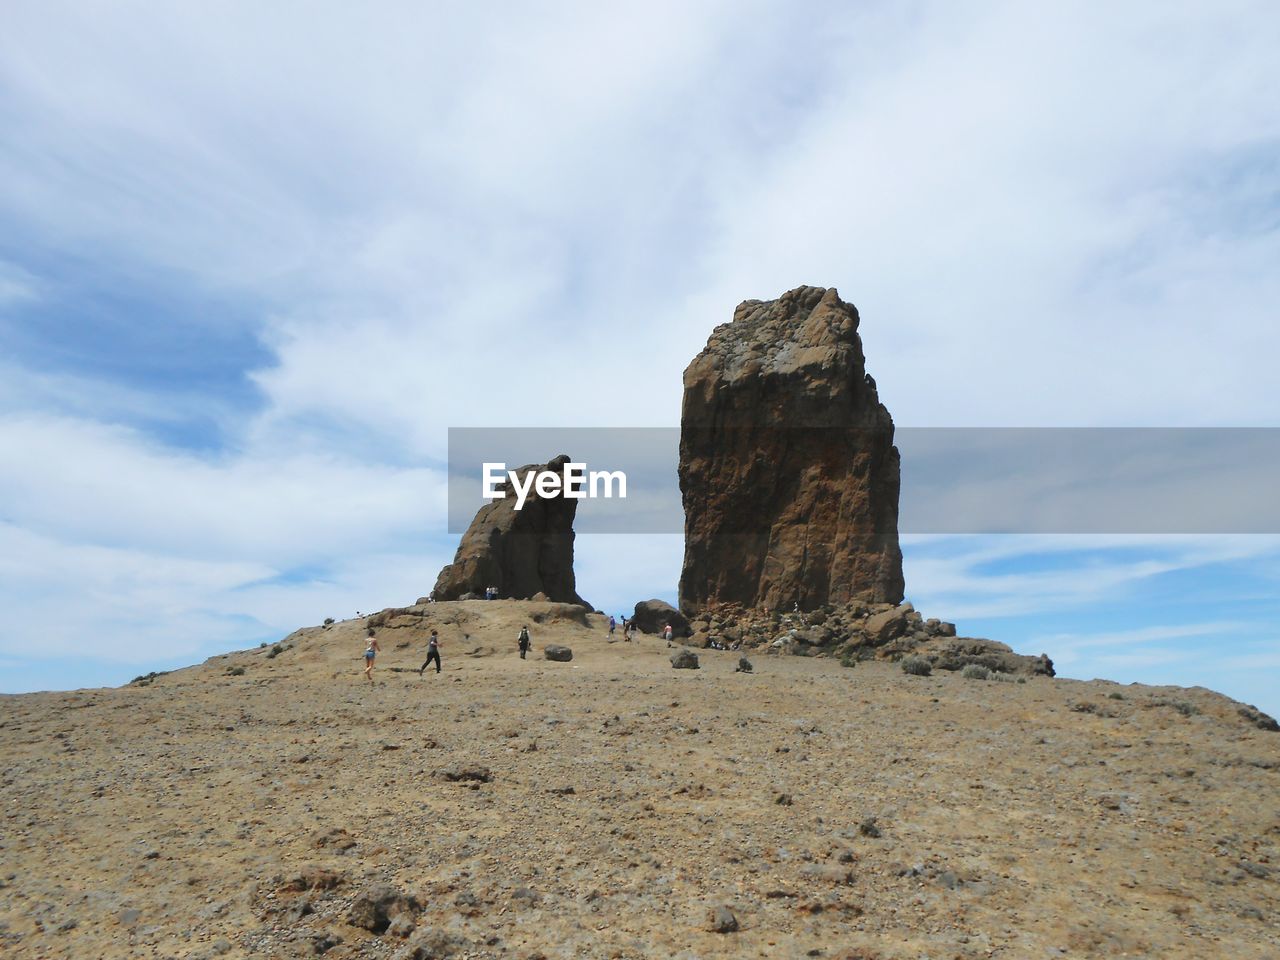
[[523, 641], [433, 652], [613, 625], [667, 633], [371, 650]]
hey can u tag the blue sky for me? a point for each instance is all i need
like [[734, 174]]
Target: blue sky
[[255, 261]]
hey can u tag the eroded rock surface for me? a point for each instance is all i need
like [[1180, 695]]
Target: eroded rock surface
[[788, 471], [522, 552]]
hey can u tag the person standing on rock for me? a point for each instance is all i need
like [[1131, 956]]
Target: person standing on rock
[[523, 641], [433, 653], [371, 650]]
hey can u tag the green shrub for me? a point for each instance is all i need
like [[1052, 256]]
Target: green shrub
[[275, 651], [848, 660], [235, 672], [916, 666], [975, 671], [1115, 695], [328, 621]]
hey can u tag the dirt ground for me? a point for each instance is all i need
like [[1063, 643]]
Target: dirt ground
[[614, 807]]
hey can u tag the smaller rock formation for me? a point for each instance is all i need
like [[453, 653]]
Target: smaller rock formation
[[379, 905], [554, 651], [524, 553], [684, 659], [858, 631], [651, 616]]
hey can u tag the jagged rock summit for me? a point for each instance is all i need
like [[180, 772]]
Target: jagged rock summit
[[523, 553], [788, 472]]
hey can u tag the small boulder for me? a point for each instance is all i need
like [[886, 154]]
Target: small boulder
[[722, 920], [744, 665], [684, 659], [555, 651], [466, 773], [888, 625], [378, 905]]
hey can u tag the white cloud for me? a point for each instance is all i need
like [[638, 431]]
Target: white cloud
[[1006, 576], [443, 217], [107, 484]]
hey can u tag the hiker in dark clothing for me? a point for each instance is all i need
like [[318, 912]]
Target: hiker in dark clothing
[[523, 641], [433, 653]]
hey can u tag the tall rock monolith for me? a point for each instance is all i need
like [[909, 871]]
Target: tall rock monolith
[[788, 471], [521, 552]]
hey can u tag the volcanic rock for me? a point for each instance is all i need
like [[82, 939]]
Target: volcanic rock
[[555, 651], [521, 552], [959, 652], [684, 659], [788, 472], [651, 616], [883, 627]]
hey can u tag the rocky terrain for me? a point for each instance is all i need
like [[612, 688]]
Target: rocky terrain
[[524, 553], [788, 472], [274, 803]]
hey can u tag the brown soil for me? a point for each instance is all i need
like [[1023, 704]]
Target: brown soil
[[835, 812]]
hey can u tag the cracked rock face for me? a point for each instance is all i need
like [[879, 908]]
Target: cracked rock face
[[521, 552], [788, 472]]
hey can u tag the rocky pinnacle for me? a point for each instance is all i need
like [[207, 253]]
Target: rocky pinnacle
[[788, 472]]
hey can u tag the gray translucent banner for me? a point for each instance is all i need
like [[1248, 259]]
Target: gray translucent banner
[[954, 480]]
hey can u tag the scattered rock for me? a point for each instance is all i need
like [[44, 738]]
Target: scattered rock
[[684, 659], [744, 665], [722, 920], [1259, 719], [322, 943], [378, 905], [431, 943], [889, 625], [462, 773]]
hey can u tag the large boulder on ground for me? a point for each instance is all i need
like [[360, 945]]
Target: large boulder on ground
[[554, 651], [684, 659], [788, 471], [651, 616], [522, 552]]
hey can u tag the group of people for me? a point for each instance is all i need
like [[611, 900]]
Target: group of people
[[524, 642], [628, 627], [491, 593], [371, 650]]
